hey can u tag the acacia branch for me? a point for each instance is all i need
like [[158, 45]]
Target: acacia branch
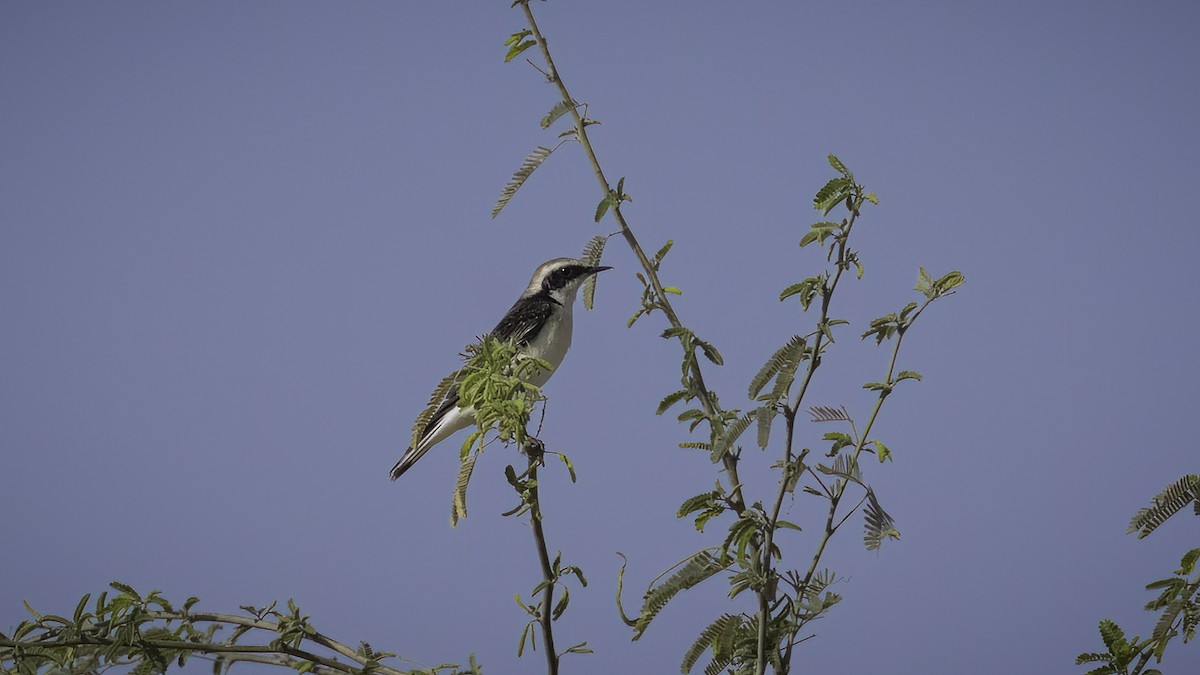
[[285, 654], [545, 619], [737, 502], [840, 487], [119, 630]]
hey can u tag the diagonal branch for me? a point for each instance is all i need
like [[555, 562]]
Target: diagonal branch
[[706, 399]]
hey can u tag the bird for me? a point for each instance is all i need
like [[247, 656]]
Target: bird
[[539, 324]]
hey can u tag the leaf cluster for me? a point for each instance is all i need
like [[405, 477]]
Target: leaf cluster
[[150, 635], [495, 384], [1177, 601]]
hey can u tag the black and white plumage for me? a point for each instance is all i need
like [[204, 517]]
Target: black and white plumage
[[539, 323]]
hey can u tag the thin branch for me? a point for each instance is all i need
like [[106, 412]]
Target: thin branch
[[233, 619], [836, 497], [850, 512], [826, 297], [535, 452]]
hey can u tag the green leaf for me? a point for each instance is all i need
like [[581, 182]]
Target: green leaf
[[1114, 637], [561, 108], [709, 638], [1188, 562], [672, 290], [662, 253], [603, 206], [675, 331], [515, 50], [517, 37], [879, 524], [580, 648], [126, 589], [697, 568], [839, 166], [840, 440], [924, 283], [908, 375], [833, 193], [700, 501], [708, 504], [808, 290], [729, 435], [525, 634], [765, 415], [881, 451], [579, 575], [591, 257], [824, 328], [1173, 498], [950, 281], [711, 353], [29, 608], [785, 359], [531, 163], [561, 605], [82, 607], [570, 469]]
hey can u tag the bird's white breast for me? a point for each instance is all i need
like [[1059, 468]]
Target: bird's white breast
[[552, 343]]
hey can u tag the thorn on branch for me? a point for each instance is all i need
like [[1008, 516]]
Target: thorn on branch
[[549, 77]]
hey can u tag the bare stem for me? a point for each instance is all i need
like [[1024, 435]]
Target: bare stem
[[535, 453]]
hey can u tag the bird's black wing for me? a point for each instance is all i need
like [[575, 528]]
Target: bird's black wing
[[525, 320]]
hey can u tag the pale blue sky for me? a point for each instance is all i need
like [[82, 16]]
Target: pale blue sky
[[240, 242]]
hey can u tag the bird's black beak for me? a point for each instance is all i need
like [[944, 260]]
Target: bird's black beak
[[597, 270]]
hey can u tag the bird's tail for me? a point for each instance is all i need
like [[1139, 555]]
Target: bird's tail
[[409, 458]]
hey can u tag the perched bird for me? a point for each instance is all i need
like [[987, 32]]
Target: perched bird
[[540, 325]]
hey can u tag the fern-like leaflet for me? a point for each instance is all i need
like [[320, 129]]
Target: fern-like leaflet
[[784, 360], [878, 524], [718, 637], [532, 162], [696, 569], [821, 413], [458, 509], [435, 402], [561, 108], [591, 256], [1176, 496]]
